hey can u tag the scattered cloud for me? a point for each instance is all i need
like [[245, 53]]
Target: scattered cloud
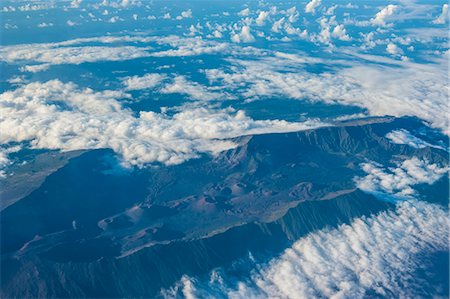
[[403, 136], [384, 15], [399, 181], [393, 49], [244, 13], [381, 85], [244, 36], [312, 5], [262, 17], [185, 15]]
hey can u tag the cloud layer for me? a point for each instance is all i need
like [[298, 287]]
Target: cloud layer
[[377, 254], [57, 115]]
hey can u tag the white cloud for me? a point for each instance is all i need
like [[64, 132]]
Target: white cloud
[[399, 181], [185, 15], [194, 90], [147, 81], [262, 17], [393, 49], [114, 19], [244, 36], [75, 3], [392, 88], [34, 7], [71, 23], [43, 25], [372, 256], [277, 26], [443, 17], [35, 68], [403, 136], [51, 54], [190, 47], [340, 32], [312, 5], [244, 13], [5, 160], [384, 15], [56, 115]]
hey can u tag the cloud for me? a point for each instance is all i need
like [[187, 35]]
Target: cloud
[[52, 54], [340, 32], [277, 26], [75, 3], [35, 7], [71, 23], [384, 15], [185, 15], [374, 256], [244, 13], [57, 115], [44, 24], [262, 17], [443, 17], [312, 5], [194, 90], [381, 85], [393, 49], [399, 181], [147, 81], [244, 36], [190, 47], [403, 136], [5, 160]]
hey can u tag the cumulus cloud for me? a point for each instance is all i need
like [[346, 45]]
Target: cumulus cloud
[[341, 33], [185, 15], [244, 13], [399, 181], [372, 256], [384, 15], [244, 36], [443, 17], [403, 136], [57, 115], [262, 17], [393, 49], [277, 26], [312, 5], [147, 81]]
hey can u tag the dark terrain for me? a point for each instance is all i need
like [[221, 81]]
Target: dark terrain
[[89, 230]]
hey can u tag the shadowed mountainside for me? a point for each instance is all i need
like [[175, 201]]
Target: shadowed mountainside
[[89, 231]]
